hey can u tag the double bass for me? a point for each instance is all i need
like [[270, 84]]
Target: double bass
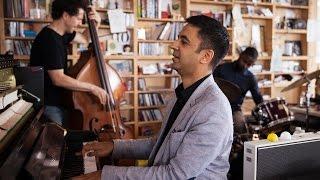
[[104, 120]]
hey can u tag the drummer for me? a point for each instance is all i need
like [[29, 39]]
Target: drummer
[[237, 72]]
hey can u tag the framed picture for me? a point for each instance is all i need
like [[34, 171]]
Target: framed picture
[[292, 48], [123, 67], [149, 68], [296, 49]]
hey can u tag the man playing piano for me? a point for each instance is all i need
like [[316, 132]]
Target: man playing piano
[[196, 136], [49, 50]]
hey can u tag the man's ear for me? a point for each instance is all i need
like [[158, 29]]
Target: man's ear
[[65, 15], [207, 56]]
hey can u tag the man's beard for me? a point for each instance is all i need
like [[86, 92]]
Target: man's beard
[[238, 67]]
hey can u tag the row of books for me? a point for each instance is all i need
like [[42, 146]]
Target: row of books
[[142, 85], [129, 19], [150, 99], [224, 17], [175, 81], [165, 31], [26, 8], [16, 8], [19, 47], [155, 49], [159, 8], [21, 29], [149, 9], [150, 115], [15, 29]]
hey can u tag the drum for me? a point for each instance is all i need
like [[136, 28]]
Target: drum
[[272, 112]]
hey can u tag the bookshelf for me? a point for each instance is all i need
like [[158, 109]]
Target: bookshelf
[[163, 82]]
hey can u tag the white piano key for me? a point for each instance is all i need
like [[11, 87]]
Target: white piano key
[[89, 163]]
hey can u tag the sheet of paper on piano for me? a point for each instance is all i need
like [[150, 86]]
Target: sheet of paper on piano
[[8, 97], [11, 116]]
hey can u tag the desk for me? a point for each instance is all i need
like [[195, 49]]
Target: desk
[[312, 111]]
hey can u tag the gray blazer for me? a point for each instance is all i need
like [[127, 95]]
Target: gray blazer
[[197, 145]]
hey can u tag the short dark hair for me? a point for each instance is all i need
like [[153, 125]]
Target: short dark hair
[[213, 35], [69, 6], [251, 52]]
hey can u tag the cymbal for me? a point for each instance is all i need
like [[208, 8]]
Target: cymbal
[[300, 82], [231, 90]]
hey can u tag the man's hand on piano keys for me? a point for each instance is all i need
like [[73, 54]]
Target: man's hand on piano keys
[[98, 149], [94, 176]]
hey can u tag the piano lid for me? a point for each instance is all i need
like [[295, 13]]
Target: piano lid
[[45, 158], [14, 162]]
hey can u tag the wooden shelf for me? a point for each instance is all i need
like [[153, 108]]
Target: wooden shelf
[[28, 20], [254, 4], [159, 20], [292, 73], [265, 87], [291, 31], [149, 122], [126, 107], [155, 57], [101, 26], [106, 10], [291, 6], [295, 58], [212, 2], [151, 107], [285, 84], [263, 73], [281, 85], [156, 91], [155, 41], [20, 38], [106, 57], [158, 76], [118, 57], [277, 73], [127, 76], [246, 16], [264, 58]]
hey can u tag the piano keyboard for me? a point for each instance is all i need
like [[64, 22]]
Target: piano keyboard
[[77, 165], [73, 165]]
